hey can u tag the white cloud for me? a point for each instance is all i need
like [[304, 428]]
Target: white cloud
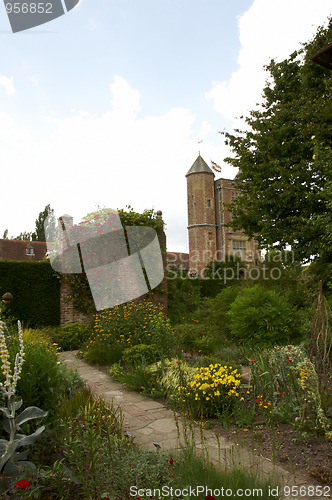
[[7, 84], [113, 159], [269, 29]]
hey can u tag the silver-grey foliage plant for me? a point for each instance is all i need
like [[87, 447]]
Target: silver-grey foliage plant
[[11, 457]]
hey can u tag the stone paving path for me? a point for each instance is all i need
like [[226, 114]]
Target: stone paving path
[[148, 422]]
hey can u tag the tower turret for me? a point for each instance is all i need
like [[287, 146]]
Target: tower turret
[[201, 215]]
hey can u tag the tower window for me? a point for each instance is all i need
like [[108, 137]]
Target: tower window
[[239, 248], [208, 203], [235, 194]]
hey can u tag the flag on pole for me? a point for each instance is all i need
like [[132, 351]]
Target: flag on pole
[[215, 167]]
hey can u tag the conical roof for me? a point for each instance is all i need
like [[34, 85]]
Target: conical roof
[[199, 166]]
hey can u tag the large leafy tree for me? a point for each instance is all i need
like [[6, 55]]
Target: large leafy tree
[[285, 186]]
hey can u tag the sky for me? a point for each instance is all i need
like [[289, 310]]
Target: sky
[[110, 104]]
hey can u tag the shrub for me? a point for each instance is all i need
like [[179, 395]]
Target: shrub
[[183, 297], [263, 317], [174, 373], [128, 325], [135, 354], [226, 272], [160, 334], [194, 336], [43, 380], [102, 353], [213, 390], [71, 336], [40, 335], [138, 378], [285, 378], [36, 291]]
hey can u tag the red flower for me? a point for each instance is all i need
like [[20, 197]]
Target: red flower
[[105, 498], [287, 357], [209, 497], [171, 461], [288, 347], [290, 360], [281, 394], [23, 484]]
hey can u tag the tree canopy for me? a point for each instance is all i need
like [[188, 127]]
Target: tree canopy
[[284, 157]]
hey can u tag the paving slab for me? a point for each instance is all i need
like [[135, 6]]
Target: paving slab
[[149, 422]]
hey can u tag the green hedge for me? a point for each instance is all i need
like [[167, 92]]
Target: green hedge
[[204, 287], [36, 291]]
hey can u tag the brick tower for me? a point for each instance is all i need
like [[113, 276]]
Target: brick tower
[[201, 215]]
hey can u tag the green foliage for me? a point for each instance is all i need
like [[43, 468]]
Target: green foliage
[[127, 325], [175, 373], [184, 297], [198, 469], [103, 353], [216, 311], [226, 355], [232, 269], [208, 327], [36, 291], [70, 336], [137, 378], [286, 379], [135, 354], [91, 440], [43, 380], [283, 185], [13, 458], [194, 336], [263, 317], [80, 293], [322, 223]]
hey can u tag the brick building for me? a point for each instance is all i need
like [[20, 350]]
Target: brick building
[[210, 237], [22, 250]]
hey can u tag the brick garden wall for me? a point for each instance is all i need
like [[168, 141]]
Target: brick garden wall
[[68, 314]]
